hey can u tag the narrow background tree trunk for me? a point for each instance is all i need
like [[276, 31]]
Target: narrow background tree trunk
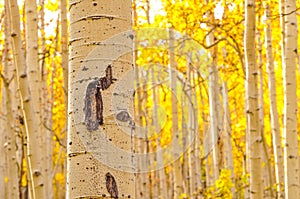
[[254, 138], [291, 151], [178, 180], [35, 177], [276, 137]]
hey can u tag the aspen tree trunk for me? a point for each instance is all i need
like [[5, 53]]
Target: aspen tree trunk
[[291, 163], [277, 149], [32, 65], [142, 191], [196, 162], [281, 14], [178, 181], [206, 139], [45, 107], [64, 49], [154, 161], [140, 176], [268, 176], [214, 104], [185, 138], [252, 110], [147, 178], [144, 142], [192, 169], [3, 118], [214, 109], [9, 112], [150, 187], [170, 186], [35, 178], [34, 83], [3, 164], [11, 145], [100, 161], [227, 135], [64, 35], [64, 46], [154, 178], [160, 170], [214, 130], [47, 134], [3, 167]]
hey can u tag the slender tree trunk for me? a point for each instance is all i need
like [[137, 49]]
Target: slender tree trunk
[[35, 178], [252, 110], [144, 142], [154, 186], [64, 35], [3, 164], [100, 154], [11, 146], [206, 139], [160, 164], [268, 177], [291, 163], [228, 163], [281, 14], [214, 129], [214, 104], [64, 46], [34, 81], [196, 161], [147, 178], [178, 181], [185, 140], [192, 130], [277, 149], [45, 107], [140, 176]]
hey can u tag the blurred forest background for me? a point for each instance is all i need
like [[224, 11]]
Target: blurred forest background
[[234, 101]]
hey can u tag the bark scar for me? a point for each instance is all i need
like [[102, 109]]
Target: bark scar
[[93, 100], [111, 185]]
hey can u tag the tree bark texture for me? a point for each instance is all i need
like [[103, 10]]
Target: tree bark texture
[[100, 160]]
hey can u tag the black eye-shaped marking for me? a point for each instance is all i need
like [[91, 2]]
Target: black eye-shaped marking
[[123, 116], [111, 185], [93, 100]]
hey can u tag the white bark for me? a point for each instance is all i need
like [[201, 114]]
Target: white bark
[[100, 152], [34, 83], [160, 171], [252, 109], [227, 135], [178, 181], [9, 144], [35, 179], [214, 103], [291, 156], [277, 149]]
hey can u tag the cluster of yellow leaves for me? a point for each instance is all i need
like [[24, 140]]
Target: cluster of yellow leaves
[[222, 187]]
